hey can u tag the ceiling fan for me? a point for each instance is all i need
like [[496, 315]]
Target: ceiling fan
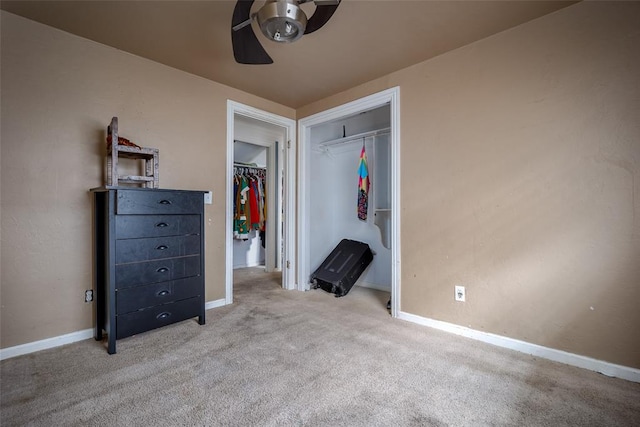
[[282, 21]]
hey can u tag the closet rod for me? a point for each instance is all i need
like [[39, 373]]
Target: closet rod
[[248, 166], [356, 137]]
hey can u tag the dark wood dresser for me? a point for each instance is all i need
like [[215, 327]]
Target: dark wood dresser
[[149, 259]]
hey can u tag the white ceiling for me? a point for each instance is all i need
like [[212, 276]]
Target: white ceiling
[[364, 40]]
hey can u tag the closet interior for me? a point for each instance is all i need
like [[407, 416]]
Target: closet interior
[[257, 199], [336, 209], [249, 210]]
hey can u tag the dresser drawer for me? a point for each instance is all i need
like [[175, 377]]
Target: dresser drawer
[[133, 226], [155, 317], [132, 299], [132, 250], [142, 273], [158, 202]]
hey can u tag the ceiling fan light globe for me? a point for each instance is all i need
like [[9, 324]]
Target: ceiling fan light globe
[[282, 21]]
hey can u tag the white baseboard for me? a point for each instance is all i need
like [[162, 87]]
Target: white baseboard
[[44, 344], [384, 288], [606, 368], [215, 304], [31, 347]]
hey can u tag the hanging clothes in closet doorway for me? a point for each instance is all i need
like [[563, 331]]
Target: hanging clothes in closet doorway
[[250, 201]]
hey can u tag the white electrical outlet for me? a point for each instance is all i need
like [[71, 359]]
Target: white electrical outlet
[[460, 293], [208, 198], [88, 295]]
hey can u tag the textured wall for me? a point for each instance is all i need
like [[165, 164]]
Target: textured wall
[[59, 93], [521, 181]]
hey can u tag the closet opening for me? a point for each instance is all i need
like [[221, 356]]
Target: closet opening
[[258, 199], [333, 147]]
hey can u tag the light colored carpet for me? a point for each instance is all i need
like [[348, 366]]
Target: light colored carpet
[[289, 358]]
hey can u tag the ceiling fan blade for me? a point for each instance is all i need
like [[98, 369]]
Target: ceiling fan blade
[[246, 47], [321, 16]]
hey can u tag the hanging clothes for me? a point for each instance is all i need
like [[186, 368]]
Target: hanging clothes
[[363, 185], [254, 204], [242, 214], [263, 213], [249, 201]]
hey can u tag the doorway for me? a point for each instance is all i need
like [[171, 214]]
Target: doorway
[[261, 143], [313, 134], [257, 152]]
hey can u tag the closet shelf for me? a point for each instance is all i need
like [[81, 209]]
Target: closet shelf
[[352, 138], [248, 165]]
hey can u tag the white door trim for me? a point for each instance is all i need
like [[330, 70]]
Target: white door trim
[[233, 108], [390, 96]]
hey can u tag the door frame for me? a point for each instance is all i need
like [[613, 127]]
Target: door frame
[[288, 202], [392, 97]]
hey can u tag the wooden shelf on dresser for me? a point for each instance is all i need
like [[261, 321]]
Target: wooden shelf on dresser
[[149, 259]]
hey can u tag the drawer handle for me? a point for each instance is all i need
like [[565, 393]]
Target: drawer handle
[[163, 293], [165, 202], [162, 270], [162, 225], [163, 315], [162, 247]]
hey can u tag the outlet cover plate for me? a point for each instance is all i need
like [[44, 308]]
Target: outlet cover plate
[[460, 293]]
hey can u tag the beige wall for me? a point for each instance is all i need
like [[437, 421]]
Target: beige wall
[[520, 165], [521, 181], [59, 93]]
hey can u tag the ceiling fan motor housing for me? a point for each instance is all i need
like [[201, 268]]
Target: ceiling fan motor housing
[[282, 20]]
